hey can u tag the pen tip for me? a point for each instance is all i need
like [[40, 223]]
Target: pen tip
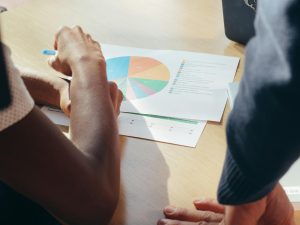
[[48, 52]]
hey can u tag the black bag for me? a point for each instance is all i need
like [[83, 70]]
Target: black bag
[[239, 19]]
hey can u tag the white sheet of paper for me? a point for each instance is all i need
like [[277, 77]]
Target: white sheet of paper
[[186, 133], [167, 130], [291, 184], [169, 83], [233, 89]]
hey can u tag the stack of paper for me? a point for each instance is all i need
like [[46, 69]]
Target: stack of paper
[[169, 95], [169, 130]]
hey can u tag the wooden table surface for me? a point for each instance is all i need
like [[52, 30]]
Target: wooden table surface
[[153, 174]]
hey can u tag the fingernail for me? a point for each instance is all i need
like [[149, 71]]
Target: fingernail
[[162, 222], [170, 210], [200, 200]]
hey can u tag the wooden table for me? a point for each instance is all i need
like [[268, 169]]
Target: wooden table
[[153, 174]]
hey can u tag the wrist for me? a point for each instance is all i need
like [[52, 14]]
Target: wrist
[[87, 62], [88, 72]]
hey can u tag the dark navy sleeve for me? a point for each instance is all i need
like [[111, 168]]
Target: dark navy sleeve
[[263, 130]]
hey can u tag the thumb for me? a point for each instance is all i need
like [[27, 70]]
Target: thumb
[[65, 101], [53, 61], [57, 65], [207, 204], [66, 107]]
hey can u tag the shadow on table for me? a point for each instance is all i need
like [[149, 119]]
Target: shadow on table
[[144, 180]]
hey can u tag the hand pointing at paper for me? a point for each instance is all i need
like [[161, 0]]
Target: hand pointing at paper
[[87, 51]]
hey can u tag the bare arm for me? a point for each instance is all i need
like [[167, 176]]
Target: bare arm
[[79, 183], [47, 89]]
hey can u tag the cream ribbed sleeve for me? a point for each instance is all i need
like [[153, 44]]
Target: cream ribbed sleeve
[[21, 104]]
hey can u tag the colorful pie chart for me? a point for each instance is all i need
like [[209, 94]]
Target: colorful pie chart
[[137, 77]]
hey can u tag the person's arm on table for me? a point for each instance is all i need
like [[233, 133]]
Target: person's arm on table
[[44, 89], [78, 183], [52, 90], [47, 90]]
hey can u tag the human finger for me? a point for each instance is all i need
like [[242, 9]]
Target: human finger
[[55, 61], [88, 36], [65, 101], [116, 96], [66, 38], [191, 215], [57, 65], [120, 99], [119, 102], [66, 108], [208, 204], [97, 44], [179, 222], [113, 88], [58, 34], [78, 29]]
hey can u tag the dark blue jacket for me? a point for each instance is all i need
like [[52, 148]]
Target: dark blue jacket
[[263, 131]]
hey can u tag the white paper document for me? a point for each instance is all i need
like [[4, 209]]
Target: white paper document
[[233, 89], [176, 84], [291, 184], [169, 130]]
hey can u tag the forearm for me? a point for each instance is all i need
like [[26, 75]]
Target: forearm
[[65, 182], [92, 110], [80, 187], [95, 137], [93, 127], [44, 89]]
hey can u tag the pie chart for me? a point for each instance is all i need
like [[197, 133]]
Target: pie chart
[[137, 77]]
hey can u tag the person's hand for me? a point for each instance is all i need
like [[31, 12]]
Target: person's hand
[[207, 212], [274, 209], [74, 47], [116, 97]]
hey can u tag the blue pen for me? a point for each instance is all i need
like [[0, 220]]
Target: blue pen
[[49, 52], [53, 52]]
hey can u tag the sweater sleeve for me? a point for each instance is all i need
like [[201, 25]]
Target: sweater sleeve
[[21, 104], [263, 128]]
